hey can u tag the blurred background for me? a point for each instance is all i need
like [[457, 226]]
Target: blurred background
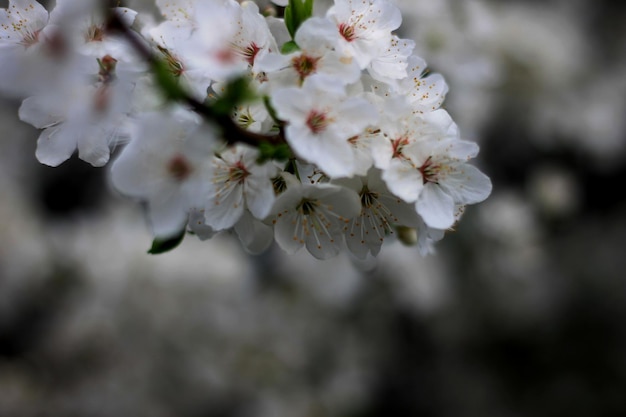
[[520, 313]]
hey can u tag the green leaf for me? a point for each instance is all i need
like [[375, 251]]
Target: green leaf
[[271, 110], [268, 151], [237, 91], [167, 244], [167, 82], [296, 12], [289, 47]]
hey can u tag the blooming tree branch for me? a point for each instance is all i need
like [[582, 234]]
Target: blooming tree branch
[[321, 132]]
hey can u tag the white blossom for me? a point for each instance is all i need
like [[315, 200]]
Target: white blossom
[[317, 39], [335, 139], [166, 164], [314, 216], [238, 183], [365, 27], [380, 212], [90, 118], [321, 121]]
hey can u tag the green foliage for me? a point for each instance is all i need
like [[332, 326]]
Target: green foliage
[[278, 152], [289, 47], [165, 245], [297, 11], [167, 82], [271, 110], [237, 91]]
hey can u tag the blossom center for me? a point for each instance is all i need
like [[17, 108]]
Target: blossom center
[[174, 65], [397, 145], [250, 52], [307, 207], [226, 56], [429, 171], [347, 32], [317, 121], [30, 39], [305, 65], [238, 172], [94, 34], [368, 198], [179, 168]]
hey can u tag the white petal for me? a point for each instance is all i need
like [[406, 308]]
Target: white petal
[[224, 211], [55, 146], [403, 180], [168, 216], [468, 185], [317, 34], [322, 246], [35, 111], [93, 147], [436, 207], [254, 235], [260, 197], [197, 225], [284, 233]]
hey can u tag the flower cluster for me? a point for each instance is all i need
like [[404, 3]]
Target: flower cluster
[[318, 131]]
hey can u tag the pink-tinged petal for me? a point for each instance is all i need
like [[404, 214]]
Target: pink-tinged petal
[[436, 207], [55, 146]]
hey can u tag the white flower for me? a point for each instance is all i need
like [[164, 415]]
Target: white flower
[[438, 174], [229, 40], [317, 39], [83, 26], [91, 118], [166, 164], [253, 117], [170, 41], [365, 27], [21, 23], [314, 216], [321, 120], [237, 183], [180, 12], [391, 64], [29, 52], [197, 226], [254, 235], [424, 91], [380, 212]]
